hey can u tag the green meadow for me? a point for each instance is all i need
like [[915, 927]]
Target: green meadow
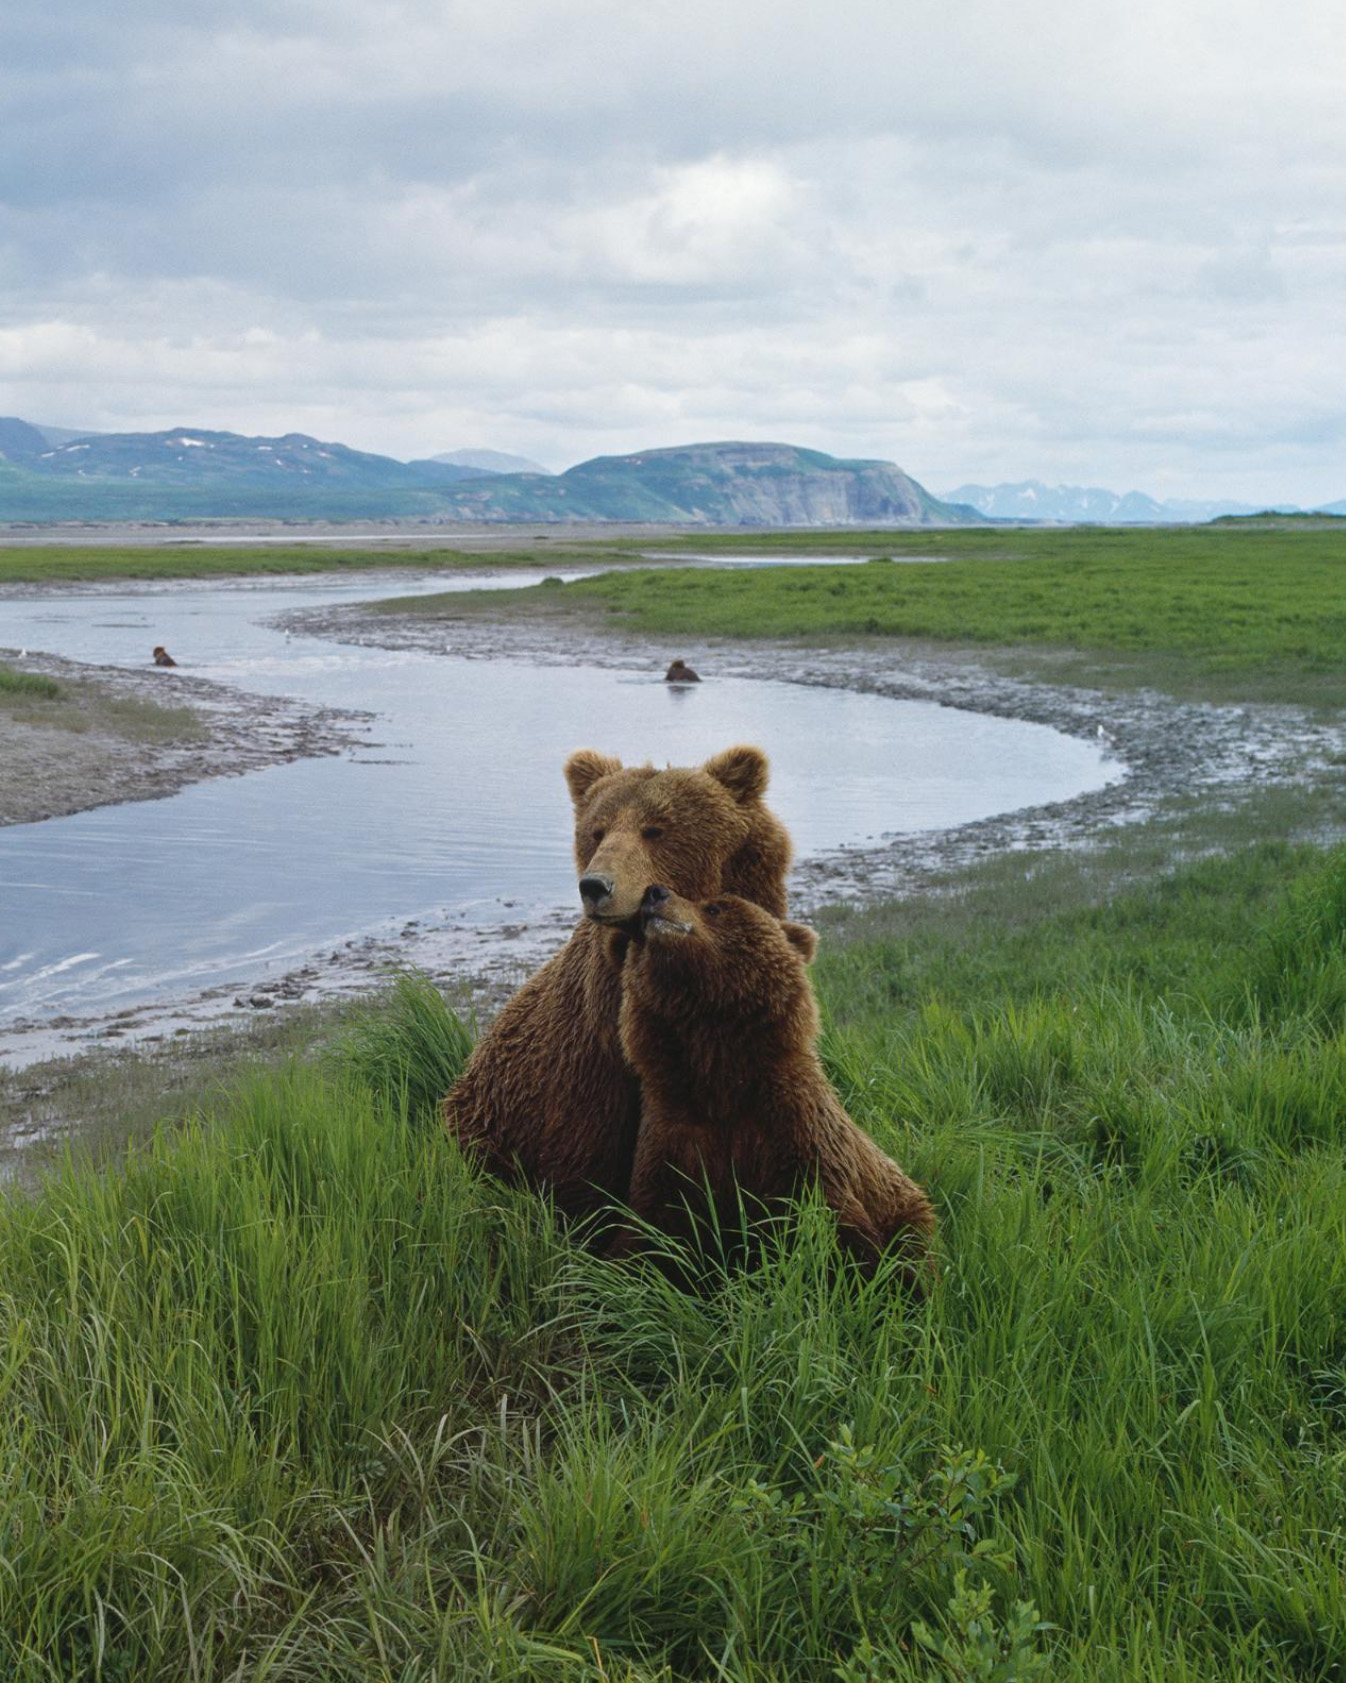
[[293, 1393], [289, 1392], [1255, 612]]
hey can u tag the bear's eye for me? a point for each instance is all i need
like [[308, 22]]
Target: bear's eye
[[599, 834], [712, 911], [652, 832]]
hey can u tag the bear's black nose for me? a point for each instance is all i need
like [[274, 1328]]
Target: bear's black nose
[[594, 888], [655, 895]]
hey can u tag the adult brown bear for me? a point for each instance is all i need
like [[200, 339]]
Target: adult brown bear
[[547, 1096], [719, 1022]]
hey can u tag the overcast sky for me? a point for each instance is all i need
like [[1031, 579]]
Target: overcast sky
[[1086, 241]]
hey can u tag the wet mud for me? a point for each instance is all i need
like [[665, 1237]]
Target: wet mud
[[50, 772]]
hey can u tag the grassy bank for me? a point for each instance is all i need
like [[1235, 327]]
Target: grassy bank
[[85, 707], [297, 1396], [18, 687], [1260, 612], [100, 1102]]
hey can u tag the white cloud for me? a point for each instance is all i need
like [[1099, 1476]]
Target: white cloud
[[1097, 242]]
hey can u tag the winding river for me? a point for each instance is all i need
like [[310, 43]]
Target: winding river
[[455, 808]]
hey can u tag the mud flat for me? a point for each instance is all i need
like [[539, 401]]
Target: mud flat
[[117, 735]]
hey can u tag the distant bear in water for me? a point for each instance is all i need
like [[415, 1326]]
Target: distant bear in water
[[162, 656], [681, 673]]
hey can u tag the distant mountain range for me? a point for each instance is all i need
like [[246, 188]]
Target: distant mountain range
[[194, 473], [189, 473], [1090, 505], [490, 461]]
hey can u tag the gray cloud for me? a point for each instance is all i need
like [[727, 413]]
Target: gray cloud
[[1098, 242]]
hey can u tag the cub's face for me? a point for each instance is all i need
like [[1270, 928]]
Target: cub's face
[[723, 955], [635, 826]]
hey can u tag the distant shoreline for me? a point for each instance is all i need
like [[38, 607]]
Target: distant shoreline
[[402, 534]]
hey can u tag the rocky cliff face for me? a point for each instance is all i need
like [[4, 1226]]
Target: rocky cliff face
[[732, 484]]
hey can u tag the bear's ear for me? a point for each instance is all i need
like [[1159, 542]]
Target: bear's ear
[[584, 768], [742, 770], [801, 939]]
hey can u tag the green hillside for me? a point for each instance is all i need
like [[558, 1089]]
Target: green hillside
[[193, 474]]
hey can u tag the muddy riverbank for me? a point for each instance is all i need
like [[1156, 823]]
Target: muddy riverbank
[[115, 735], [1164, 749]]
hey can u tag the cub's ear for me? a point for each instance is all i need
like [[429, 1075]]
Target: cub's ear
[[584, 768], [742, 770], [802, 940]]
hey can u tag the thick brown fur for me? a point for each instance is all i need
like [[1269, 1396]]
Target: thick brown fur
[[680, 673], [718, 1020], [547, 1096]]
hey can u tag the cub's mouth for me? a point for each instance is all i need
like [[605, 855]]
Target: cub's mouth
[[653, 924], [657, 916]]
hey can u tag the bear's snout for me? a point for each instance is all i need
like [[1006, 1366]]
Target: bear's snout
[[595, 890]]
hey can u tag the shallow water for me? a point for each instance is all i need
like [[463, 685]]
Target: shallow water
[[456, 808]]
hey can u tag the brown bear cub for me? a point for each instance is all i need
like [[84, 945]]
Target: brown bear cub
[[718, 1020], [547, 1097]]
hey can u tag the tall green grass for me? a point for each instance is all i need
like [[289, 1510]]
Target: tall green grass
[[411, 1053], [296, 1395]]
